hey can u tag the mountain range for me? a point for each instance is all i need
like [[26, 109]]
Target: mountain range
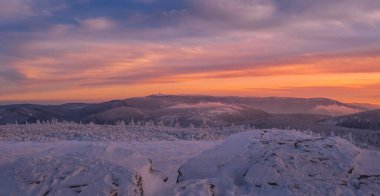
[[183, 109], [364, 120]]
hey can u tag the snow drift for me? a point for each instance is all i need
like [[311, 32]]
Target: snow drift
[[259, 162], [278, 162], [74, 168]]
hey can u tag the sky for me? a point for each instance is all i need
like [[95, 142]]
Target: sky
[[98, 50]]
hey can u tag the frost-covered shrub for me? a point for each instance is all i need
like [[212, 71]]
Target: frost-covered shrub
[[150, 131]]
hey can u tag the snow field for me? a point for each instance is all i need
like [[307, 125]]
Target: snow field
[[71, 159]]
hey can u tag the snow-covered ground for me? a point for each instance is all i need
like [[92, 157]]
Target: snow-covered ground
[[88, 168], [278, 162], [72, 168], [66, 161]]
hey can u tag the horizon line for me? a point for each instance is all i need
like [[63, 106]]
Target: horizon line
[[95, 101]]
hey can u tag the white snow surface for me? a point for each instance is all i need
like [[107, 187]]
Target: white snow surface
[[72, 168], [89, 168], [277, 162], [258, 162]]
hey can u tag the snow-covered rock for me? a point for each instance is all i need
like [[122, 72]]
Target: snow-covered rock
[[74, 168], [276, 162], [259, 162]]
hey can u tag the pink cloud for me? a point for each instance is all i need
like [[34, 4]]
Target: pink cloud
[[15, 9], [100, 23]]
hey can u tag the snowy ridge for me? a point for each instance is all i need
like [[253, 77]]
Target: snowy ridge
[[276, 162], [184, 109]]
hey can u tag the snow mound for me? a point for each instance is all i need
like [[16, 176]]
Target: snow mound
[[73, 168], [276, 162]]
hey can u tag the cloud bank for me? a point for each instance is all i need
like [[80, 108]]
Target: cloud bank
[[52, 47]]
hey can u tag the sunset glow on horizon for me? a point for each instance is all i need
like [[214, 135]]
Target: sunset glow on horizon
[[94, 50]]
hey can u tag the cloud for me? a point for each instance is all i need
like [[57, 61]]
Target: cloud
[[365, 92], [240, 11], [9, 75], [109, 63], [15, 10], [137, 42], [334, 110], [10, 9], [100, 23]]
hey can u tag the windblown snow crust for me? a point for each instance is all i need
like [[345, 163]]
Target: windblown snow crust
[[278, 162], [259, 162], [74, 168]]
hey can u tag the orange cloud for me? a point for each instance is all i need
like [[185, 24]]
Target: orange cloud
[[78, 61]]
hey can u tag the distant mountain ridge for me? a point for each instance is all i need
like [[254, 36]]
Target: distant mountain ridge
[[184, 109], [367, 105], [364, 120]]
